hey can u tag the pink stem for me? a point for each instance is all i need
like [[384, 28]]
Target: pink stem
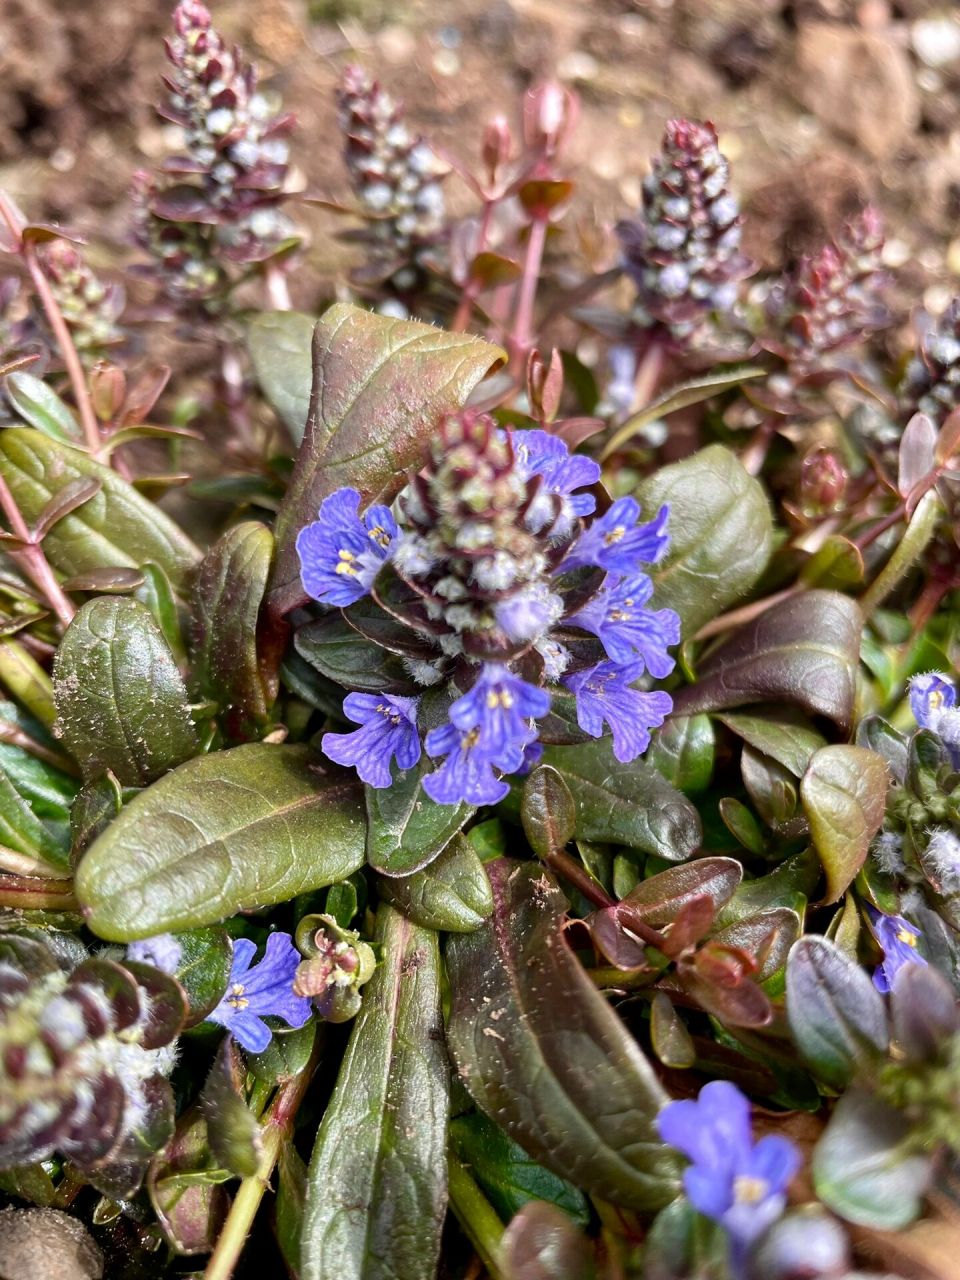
[[34, 562], [523, 323]]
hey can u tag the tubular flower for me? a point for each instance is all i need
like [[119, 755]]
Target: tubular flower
[[478, 590], [898, 940], [930, 695], [738, 1183], [259, 991]]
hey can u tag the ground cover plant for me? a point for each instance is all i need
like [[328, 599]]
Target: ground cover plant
[[465, 810]]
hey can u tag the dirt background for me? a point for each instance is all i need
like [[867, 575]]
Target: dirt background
[[820, 104]]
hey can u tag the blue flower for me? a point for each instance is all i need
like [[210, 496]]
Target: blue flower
[[561, 472], [163, 951], [898, 940], [501, 706], [736, 1182], [388, 728], [340, 554], [467, 773], [604, 694], [947, 727], [930, 695], [526, 615], [265, 990], [626, 629], [617, 541]]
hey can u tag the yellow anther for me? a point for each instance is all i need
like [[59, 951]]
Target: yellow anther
[[379, 535], [747, 1190], [905, 935], [615, 535]]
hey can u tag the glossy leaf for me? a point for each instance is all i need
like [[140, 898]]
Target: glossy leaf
[[804, 650], [836, 1015], [206, 956], [451, 895], [540, 1050], [861, 1168], [547, 811], [721, 534], [229, 589], [874, 733], [683, 751], [287, 1054], [376, 1195], [507, 1175], [117, 526], [279, 346], [332, 647], [226, 832], [405, 828], [35, 802], [672, 1042], [121, 702], [379, 386], [40, 406], [694, 391], [627, 804], [781, 733], [844, 792]]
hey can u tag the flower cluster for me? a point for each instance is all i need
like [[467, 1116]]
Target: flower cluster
[[833, 299], [931, 384], [395, 175], [738, 1183], [220, 199], [503, 581], [684, 251], [90, 307], [84, 1052], [933, 701]]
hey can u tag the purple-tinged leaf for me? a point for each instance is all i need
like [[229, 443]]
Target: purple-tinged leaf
[[844, 793]]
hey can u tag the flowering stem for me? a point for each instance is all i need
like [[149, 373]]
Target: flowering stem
[[523, 323], [276, 1130], [78, 381], [476, 1215], [472, 287], [560, 862], [34, 562]]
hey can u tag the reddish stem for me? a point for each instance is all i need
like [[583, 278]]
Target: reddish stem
[[34, 562], [523, 322], [472, 287]]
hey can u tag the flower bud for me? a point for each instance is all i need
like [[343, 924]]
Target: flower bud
[[336, 966], [108, 390], [806, 1244], [549, 114], [544, 385], [823, 481], [497, 146]]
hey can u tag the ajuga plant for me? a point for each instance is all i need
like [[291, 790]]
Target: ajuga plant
[[444, 837]]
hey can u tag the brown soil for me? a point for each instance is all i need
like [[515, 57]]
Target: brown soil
[[820, 104]]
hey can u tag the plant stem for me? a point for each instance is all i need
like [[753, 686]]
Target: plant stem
[[34, 562], [477, 1217], [560, 862], [472, 287], [78, 381], [523, 322], [29, 894], [274, 1133], [277, 290]]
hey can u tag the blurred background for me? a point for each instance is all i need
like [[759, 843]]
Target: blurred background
[[820, 104]]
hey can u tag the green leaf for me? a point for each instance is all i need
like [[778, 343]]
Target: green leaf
[[804, 650], [379, 386], [117, 526], [405, 828], [721, 534], [547, 811], [542, 1052], [451, 895], [683, 751], [332, 647], [377, 1194], [626, 803], [507, 1175], [40, 406], [837, 1017], [861, 1166], [291, 1198], [693, 391], [226, 832], [203, 969], [232, 1128], [788, 885], [844, 794], [229, 590], [287, 1054], [35, 801], [121, 701], [781, 733], [279, 346]]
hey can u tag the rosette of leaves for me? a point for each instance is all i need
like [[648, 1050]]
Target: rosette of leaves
[[86, 1045]]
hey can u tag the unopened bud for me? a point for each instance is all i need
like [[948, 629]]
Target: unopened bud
[[544, 385], [497, 146], [823, 481], [108, 390], [806, 1244], [549, 113]]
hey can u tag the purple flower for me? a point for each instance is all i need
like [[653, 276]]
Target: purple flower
[[618, 542], [467, 773], [501, 706], [626, 629], [946, 724], [898, 940], [562, 472], [163, 951], [340, 554], [526, 615], [265, 990], [388, 728], [930, 695], [734, 1181], [604, 694]]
